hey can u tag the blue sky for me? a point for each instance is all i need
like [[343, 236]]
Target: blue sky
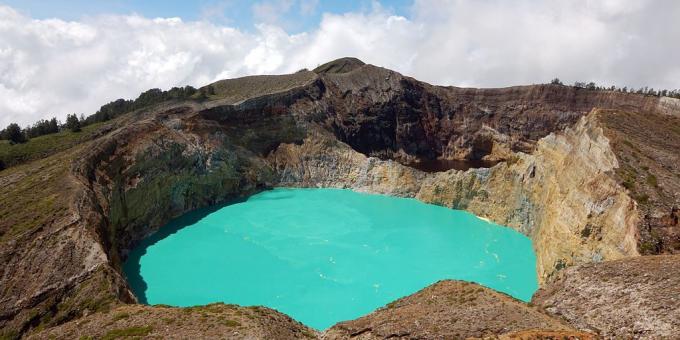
[[293, 15]]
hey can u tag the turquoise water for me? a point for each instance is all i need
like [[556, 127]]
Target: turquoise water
[[325, 255]]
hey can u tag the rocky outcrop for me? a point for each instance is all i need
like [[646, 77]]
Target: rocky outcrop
[[215, 321], [563, 195], [451, 310], [623, 299], [669, 106]]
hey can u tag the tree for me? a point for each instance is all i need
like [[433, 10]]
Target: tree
[[54, 125], [14, 134], [42, 127], [556, 81], [205, 92], [72, 123]]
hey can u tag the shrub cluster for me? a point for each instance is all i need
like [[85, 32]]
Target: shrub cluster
[[647, 91], [16, 134]]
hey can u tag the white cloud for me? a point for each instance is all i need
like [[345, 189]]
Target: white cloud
[[54, 67]]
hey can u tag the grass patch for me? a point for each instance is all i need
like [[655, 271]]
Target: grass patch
[[9, 334], [126, 332], [393, 304], [44, 146], [651, 180], [235, 90], [120, 316], [308, 334], [629, 183], [641, 198], [33, 194], [513, 159], [231, 323]]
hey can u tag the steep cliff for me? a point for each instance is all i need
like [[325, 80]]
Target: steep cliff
[[563, 195], [647, 147], [69, 220]]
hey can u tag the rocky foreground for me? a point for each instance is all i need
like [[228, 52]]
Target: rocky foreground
[[451, 310], [445, 310], [216, 321], [631, 298], [592, 177]]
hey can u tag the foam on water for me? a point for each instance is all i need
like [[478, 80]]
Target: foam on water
[[325, 255]]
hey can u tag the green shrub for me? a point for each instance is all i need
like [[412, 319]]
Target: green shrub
[[125, 332], [651, 180], [120, 316], [231, 323]]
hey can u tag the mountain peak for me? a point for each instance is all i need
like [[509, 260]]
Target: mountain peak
[[342, 65]]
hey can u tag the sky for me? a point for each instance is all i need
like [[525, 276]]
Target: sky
[[73, 56]]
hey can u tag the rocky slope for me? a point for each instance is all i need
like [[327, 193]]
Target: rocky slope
[[215, 321], [450, 310], [647, 149], [68, 221], [444, 310], [623, 299]]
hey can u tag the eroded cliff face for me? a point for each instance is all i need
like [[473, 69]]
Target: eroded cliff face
[[123, 187], [622, 299], [346, 128], [381, 113], [563, 196], [649, 167]]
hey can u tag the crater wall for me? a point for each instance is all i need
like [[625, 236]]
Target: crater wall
[[562, 196], [342, 129]]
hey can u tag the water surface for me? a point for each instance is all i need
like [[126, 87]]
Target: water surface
[[325, 255]]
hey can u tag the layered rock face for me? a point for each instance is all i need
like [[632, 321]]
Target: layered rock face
[[381, 113], [563, 195], [341, 127], [649, 167]]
